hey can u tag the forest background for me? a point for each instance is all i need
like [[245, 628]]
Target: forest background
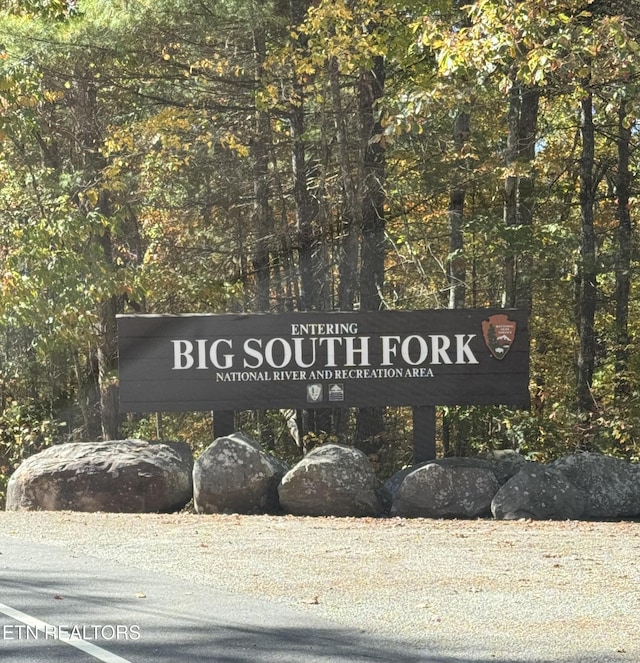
[[173, 156]]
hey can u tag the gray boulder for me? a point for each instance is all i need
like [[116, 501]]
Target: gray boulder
[[434, 490], [129, 476], [331, 480], [234, 475], [503, 468], [506, 463], [394, 482], [539, 493], [611, 485]]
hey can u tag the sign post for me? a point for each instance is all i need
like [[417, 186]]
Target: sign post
[[228, 362], [223, 423], [424, 433]]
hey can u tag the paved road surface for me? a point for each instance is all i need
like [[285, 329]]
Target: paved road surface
[[48, 596], [464, 591]]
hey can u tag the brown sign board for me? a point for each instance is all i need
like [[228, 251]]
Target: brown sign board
[[318, 359]]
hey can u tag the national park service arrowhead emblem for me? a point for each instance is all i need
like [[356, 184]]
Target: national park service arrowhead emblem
[[499, 333], [314, 393]]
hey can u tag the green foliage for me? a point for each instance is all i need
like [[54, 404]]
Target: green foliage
[[25, 430], [191, 427], [51, 9], [128, 177], [545, 433]]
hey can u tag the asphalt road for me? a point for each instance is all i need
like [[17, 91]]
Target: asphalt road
[[57, 607]]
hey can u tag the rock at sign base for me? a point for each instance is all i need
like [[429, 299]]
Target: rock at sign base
[[123, 476], [331, 480]]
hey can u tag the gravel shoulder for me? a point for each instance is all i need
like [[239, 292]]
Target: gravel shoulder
[[474, 590]]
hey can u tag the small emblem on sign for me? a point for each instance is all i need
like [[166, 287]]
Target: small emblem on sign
[[314, 393], [336, 392], [499, 333]]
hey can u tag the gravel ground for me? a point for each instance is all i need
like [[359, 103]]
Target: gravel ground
[[473, 590]]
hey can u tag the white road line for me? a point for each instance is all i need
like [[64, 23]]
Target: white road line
[[78, 643]]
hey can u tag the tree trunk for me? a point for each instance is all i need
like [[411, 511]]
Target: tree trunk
[[306, 213], [456, 268], [306, 209], [587, 272], [519, 193], [370, 420], [88, 395], [262, 214], [373, 220], [107, 351], [623, 257], [352, 213], [93, 164]]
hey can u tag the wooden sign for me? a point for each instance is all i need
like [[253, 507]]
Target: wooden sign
[[319, 359]]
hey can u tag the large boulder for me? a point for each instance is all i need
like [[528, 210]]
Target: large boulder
[[611, 485], [506, 463], [132, 476], [540, 493], [503, 468], [234, 475], [436, 490], [331, 480]]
